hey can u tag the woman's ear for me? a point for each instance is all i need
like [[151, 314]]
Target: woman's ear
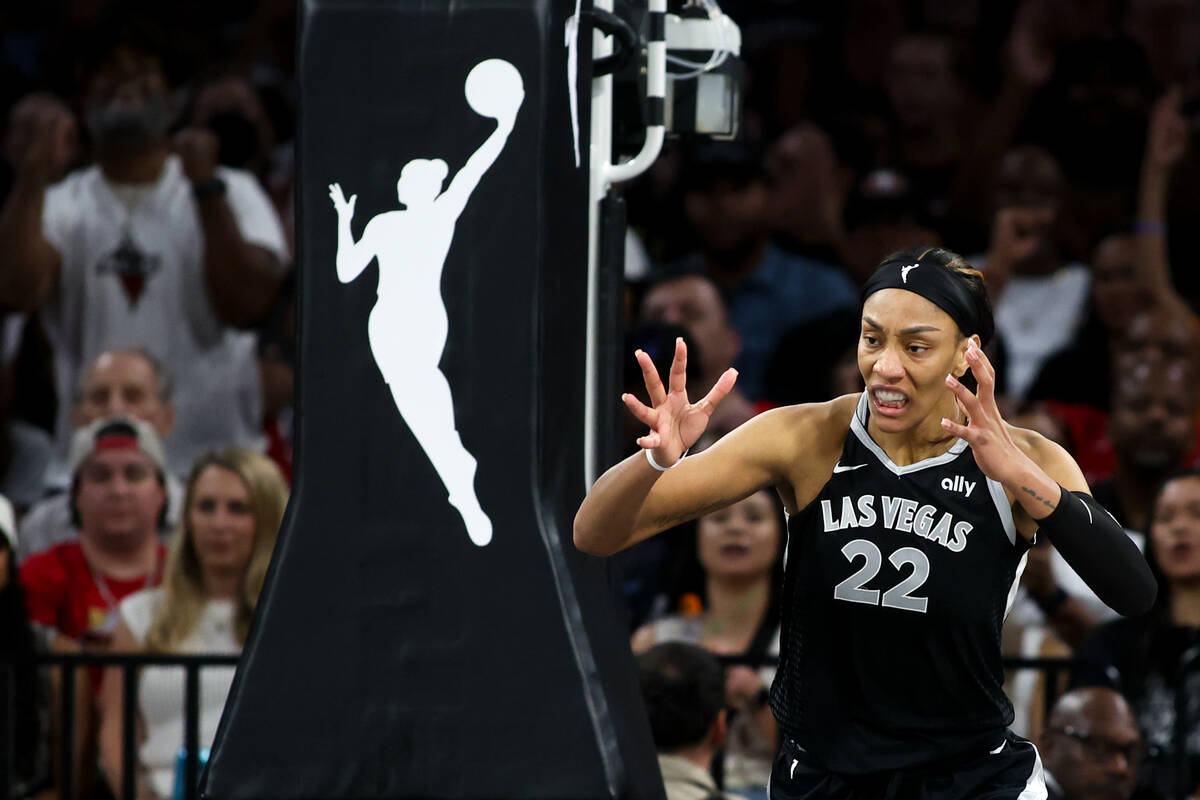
[[960, 360]]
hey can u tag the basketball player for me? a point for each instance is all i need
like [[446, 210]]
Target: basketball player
[[911, 510]]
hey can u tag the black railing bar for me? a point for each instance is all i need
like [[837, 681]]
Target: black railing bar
[[224, 660], [129, 757], [1048, 664], [8, 704], [66, 726], [137, 659], [130, 660], [191, 740], [1049, 690]]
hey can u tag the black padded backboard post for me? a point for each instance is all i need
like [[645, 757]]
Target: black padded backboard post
[[427, 628]]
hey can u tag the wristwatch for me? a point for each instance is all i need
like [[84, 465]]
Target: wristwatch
[[213, 187]]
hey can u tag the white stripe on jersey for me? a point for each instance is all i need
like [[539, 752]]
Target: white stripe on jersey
[[1035, 787], [1016, 584]]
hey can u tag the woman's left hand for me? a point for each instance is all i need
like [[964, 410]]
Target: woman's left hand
[[995, 452]]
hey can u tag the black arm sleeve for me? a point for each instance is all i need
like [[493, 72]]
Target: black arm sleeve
[[1097, 548]]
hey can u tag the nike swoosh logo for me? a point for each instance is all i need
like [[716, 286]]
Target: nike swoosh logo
[[792, 774], [839, 468]]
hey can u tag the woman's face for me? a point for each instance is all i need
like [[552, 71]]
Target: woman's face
[[1175, 530], [741, 540], [221, 520], [907, 347]]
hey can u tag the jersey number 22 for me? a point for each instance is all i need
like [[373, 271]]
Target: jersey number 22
[[899, 596]]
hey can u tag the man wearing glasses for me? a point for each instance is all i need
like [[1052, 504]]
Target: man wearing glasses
[[1091, 747]]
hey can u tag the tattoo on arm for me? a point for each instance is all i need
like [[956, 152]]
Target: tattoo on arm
[[1038, 497]]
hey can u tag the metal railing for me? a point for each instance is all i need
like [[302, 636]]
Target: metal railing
[[70, 664], [1051, 668]]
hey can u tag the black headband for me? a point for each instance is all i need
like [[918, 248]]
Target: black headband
[[938, 285]]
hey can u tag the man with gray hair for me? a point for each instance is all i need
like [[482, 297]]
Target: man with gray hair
[[128, 382]]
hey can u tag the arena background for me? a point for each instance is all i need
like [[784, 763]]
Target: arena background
[[1053, 142]]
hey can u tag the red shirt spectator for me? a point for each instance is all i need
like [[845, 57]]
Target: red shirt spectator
[[118, 498], [63, 592]]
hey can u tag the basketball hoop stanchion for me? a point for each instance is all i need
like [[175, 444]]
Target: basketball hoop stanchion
[[666, 76], [425, 600]]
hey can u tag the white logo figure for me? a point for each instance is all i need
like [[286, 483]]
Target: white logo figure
[[792, 773], [905, 270], [839, 468], [408, 326]]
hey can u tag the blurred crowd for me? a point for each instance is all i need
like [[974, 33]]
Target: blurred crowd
[[1054, 144], [146, 364], [147, 343]]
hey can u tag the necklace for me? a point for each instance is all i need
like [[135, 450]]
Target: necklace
[[151, 578]]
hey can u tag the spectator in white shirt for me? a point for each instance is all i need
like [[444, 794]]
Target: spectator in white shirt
[[153, 246]]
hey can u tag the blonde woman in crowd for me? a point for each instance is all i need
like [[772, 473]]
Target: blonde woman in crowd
[[233, 506]]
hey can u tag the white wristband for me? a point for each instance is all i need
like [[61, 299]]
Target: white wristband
[[653, 463]]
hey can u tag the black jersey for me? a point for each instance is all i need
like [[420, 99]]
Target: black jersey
[[897, 583]]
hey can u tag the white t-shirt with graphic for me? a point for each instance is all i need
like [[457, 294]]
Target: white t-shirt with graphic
[[132, 275]]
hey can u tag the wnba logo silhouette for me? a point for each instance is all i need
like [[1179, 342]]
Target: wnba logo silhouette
[[407, 327]]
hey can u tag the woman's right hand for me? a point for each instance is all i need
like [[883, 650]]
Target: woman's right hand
[[675, 423], [344, 207], [1167, 138]]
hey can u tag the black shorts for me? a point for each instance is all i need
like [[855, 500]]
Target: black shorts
[[1011, 772]]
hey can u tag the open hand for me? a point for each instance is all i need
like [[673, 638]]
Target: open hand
[[995, 452], [1029, 49], [1168, 135], [675, 423], [345, 208]]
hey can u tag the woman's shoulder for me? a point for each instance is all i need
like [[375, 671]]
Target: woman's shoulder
[[810, 425], [1035, 445], [1045, 452], [787, 436], [838, 410], [813, 436], [138, 609]]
